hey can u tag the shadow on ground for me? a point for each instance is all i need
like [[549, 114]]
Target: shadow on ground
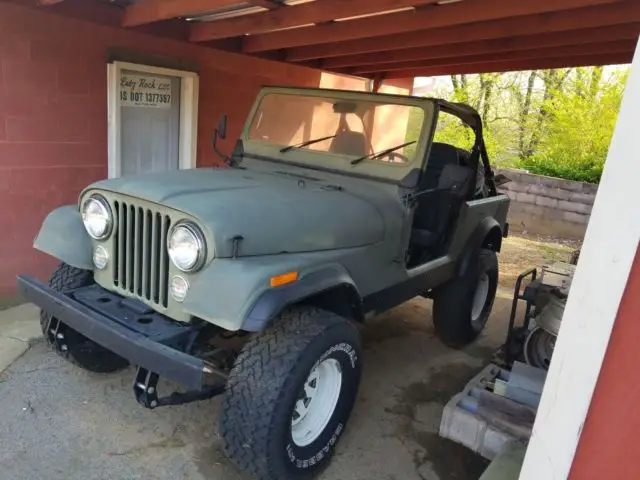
[[65, 423]]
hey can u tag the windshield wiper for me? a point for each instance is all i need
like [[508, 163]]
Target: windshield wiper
[[374, 156], [304, 144]]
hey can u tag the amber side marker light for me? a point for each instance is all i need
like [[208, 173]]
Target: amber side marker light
[[283, 279]]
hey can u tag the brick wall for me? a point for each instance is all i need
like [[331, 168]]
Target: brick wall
[[53, 115], [548, 206]]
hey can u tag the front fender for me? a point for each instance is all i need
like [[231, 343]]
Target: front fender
[[63, 236], [235, 294], [269, 305]]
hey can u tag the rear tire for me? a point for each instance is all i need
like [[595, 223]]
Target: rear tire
[[462, 307], [290, 394], [80, 350]]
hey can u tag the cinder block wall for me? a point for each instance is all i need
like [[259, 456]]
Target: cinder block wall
[[548, 206]]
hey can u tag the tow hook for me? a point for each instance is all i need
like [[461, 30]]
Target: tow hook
[[145, 389]]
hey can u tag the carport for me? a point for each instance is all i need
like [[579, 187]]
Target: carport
[[60, 60]]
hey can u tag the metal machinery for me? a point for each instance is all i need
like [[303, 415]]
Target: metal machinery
[[544, 298]]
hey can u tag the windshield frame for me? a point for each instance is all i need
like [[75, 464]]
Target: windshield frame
[[336, 162]]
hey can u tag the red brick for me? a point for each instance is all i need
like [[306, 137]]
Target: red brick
[[53, 114], [72, 128], [57, 50], [44, 127], [28, 128], [97, 78], [98, 130], [73, 80], [32, 128], [5, 183], [88, 105], [15, 46], [55, 185], [19, 75], [22, 102], [42, 154], [21, 24]]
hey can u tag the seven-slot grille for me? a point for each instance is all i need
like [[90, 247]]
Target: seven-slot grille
[[141, 260]]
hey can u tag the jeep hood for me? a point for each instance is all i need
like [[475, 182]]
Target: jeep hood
[[273, 213]]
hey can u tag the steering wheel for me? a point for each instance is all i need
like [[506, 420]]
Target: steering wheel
[[395, 155]]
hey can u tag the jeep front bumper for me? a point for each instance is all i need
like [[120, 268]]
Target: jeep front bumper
[[126, 327]]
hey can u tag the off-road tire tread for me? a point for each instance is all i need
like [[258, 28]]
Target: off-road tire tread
[[258, 377], [66, 278], [451, 323]]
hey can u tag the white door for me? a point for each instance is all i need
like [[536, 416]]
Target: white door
[[152, 119], [149, 122]]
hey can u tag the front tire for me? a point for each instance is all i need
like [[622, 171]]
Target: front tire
[[462, 307], [290, 394], [78, 349]]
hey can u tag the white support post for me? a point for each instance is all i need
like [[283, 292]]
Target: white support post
[[601, 276]]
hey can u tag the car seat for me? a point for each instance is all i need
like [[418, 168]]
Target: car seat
[[441, 192], [349, 143]]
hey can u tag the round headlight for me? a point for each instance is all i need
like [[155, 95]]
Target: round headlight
[[186, 247], [97, 217]]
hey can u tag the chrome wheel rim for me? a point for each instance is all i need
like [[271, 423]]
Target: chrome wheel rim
[[316, 402], [480, 298]]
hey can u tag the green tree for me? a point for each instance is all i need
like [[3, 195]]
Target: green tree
[[551, 122], [577, 124]]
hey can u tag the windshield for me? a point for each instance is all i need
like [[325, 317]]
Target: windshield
[[347, 128]]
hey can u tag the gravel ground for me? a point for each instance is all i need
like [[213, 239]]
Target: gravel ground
[[59, 422]]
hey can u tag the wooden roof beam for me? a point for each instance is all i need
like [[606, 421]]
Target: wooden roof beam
[[514, 66], [622, 46], [570, 20], [148, 11], [496, 46], [294, 16], [268, 4], [431, 16]]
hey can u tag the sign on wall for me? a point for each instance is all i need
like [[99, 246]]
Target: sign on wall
[[145, 91]]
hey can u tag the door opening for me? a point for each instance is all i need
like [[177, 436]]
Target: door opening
[[152, 119]]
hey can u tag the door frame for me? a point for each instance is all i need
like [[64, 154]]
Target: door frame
[[189, 90]]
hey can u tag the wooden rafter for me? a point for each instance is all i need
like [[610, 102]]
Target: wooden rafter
[[148, 11], [268, 4], [513, 66], [496, 46], [433, 16], [622, 46], [540, 24], [296, 15]]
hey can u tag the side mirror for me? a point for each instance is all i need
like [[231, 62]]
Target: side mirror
[[222, 126], [221, 132]]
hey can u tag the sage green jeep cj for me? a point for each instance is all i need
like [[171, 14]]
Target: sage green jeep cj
[[249, 281]]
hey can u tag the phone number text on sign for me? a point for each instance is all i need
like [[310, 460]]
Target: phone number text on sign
[[145, 91]]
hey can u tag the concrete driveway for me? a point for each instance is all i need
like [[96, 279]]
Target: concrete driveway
[[59, 422]]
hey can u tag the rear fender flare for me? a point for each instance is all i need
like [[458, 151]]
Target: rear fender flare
[[311, 288], [488, 234]]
